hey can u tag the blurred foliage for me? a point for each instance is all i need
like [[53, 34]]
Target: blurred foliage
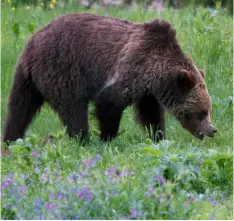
[[175, 3]]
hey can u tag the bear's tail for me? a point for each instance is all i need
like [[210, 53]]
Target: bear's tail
[[24, 101]]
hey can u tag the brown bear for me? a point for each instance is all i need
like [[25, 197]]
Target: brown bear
[[81, 57]]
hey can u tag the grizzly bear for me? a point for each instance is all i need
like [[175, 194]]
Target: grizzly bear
[[81, 57]]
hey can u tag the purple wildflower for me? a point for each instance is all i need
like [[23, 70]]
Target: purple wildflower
[[36, 211], [36, 154], [85, 162], [98, 157], [70, 180], [169, 196], [23, 188], [147, 195], [7, 207], [75, 190], [44, 178], [133, 213], [160, 179], [37, 170], [39, 203], [74, 177], [194, 199], [5, 185], [126, 173], [50, 206], [85, 195], [57, 164], [111, 171], [213, 202], [60, 196], [51, 196], [113, 193], [9, 178], [151, 190]]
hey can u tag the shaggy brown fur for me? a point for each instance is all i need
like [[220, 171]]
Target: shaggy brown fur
[[79, 57]]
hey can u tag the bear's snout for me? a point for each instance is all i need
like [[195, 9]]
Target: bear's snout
[[206, 130]]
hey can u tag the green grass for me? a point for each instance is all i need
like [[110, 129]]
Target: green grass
[[196, 172]]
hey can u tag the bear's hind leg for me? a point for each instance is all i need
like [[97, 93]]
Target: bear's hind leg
[[75, 118], [25, 100], [151, 115]]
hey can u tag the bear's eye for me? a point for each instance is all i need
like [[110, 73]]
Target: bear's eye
[[202, 115], [188, 116]]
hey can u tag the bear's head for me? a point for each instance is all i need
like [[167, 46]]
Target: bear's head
[[177, 84], [187, 98]]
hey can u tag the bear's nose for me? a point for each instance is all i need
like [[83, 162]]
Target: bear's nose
[[214, 130]]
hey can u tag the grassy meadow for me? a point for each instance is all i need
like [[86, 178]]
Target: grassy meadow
[[130, 177]]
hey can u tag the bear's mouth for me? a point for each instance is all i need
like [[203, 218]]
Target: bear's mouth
[[199, 134]]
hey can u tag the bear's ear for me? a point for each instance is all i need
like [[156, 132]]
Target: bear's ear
[[202, 72], [186, 80]]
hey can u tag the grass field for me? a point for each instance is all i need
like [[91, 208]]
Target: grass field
[[131, 177]]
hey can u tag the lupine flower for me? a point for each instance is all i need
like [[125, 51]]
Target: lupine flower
[[169, 196], [74, 177], [194, 199], [36, 154], [75, 190], [86, 163], [111, 171], [5, 185], [160, 179], [50, 206], [98, 157], [187, 202], [147, 195], [44, 178], [126, 173], [85, 195], [60, 196], [133, 213], [51, 196], [113, 193], [37, 170], [23, 188], [70, 180], [151, 190], [9, 178], [39, 203], [36, 211], [213, 202]]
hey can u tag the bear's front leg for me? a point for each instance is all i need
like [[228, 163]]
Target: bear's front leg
[[151, 115], [109, 109]]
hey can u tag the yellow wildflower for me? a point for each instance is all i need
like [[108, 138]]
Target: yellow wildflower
[[13, 9], [9, 1], [27, 8], [51, 5], [54, 1]]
